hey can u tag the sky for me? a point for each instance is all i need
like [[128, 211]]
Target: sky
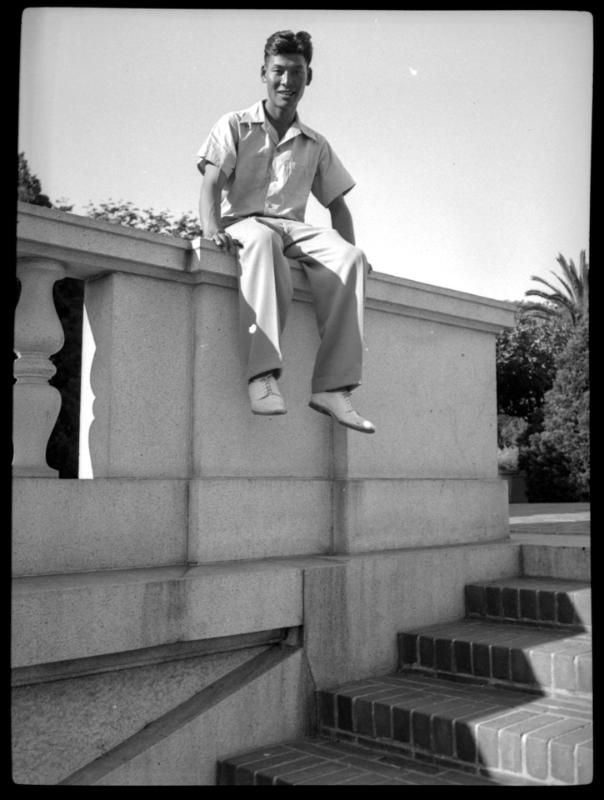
[[468, 133]]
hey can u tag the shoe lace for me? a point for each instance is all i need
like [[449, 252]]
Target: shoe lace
[[268, 386], [347, 401]]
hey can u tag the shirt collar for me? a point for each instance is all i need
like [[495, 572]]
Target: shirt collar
[[255, 113]]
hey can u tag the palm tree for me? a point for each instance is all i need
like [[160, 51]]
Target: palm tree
[[572, 303]]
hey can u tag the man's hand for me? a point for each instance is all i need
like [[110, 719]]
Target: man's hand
[[209, 210], [225, 241]]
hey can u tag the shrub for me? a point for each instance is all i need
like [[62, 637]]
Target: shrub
[[507, 459], [557, 459], [526, 364], [510, 430], [547, 472]]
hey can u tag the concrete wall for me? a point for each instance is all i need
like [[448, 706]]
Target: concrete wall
[[62, 726], [204, 521]]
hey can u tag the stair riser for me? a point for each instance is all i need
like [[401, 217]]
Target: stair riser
[[514, 743], [562, 674], [553, 561], [568, 610]]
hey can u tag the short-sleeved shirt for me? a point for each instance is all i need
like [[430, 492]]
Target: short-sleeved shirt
[[267, 177]]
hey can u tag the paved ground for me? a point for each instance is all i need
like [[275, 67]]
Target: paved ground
[[569, 523], [549, 512]]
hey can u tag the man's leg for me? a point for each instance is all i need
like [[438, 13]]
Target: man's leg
[[265, 294], [336, 271]]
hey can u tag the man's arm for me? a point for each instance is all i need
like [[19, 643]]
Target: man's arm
[[341, 219], [209, 209]]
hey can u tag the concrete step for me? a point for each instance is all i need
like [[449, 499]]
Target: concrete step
[[548, 660], [555, 556], [501, 733], [546, 601], [328, 761]]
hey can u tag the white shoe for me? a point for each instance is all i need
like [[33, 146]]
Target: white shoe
[[265, 396], [339, 406]]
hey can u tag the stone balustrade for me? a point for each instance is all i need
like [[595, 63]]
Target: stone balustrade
[[163, 398], [194, 520], [38, 335]]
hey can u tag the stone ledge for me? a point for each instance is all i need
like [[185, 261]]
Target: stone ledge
[[64, 617], [56, 617], [89, 248]]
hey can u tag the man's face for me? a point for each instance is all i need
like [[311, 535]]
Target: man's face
[[286, 76]]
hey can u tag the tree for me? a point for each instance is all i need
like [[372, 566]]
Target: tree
[[557, 459], [526, 364], [572, 302], [185, 226], [29, 189]]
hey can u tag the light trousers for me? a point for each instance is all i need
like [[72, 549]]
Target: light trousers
[[336, 273]]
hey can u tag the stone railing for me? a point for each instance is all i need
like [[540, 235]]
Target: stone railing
[[184, 474], [208, 531], [163, 400], [38, 334]]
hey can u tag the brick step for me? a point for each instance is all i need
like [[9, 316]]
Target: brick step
[[324, 761], [543, 601], [505, 734], [546, 660]]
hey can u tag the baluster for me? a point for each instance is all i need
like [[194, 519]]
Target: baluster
[[38, 334]]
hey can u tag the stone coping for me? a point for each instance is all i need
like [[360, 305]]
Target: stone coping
[[91, 248], [557, 524]]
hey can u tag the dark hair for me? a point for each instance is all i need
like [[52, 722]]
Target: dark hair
[[284, 42]]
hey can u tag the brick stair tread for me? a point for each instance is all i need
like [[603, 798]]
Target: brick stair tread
[[327, 761], [508, 634], [466, 723], [406, 688], [549, 660], [532, 600]]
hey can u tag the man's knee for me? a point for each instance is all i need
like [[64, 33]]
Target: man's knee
[[354, 260], [262, 237]]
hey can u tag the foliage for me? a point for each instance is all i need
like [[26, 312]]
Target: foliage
[[571, 303], [29, 189], [557, 459], [526, 364], [543, 391], [547, 473], [507, 458], [185, 226], [510, 430]]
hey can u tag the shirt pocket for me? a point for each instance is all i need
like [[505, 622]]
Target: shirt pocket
[[253, 171], [294, 173]]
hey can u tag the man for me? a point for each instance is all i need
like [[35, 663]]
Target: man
[[260, 166]]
